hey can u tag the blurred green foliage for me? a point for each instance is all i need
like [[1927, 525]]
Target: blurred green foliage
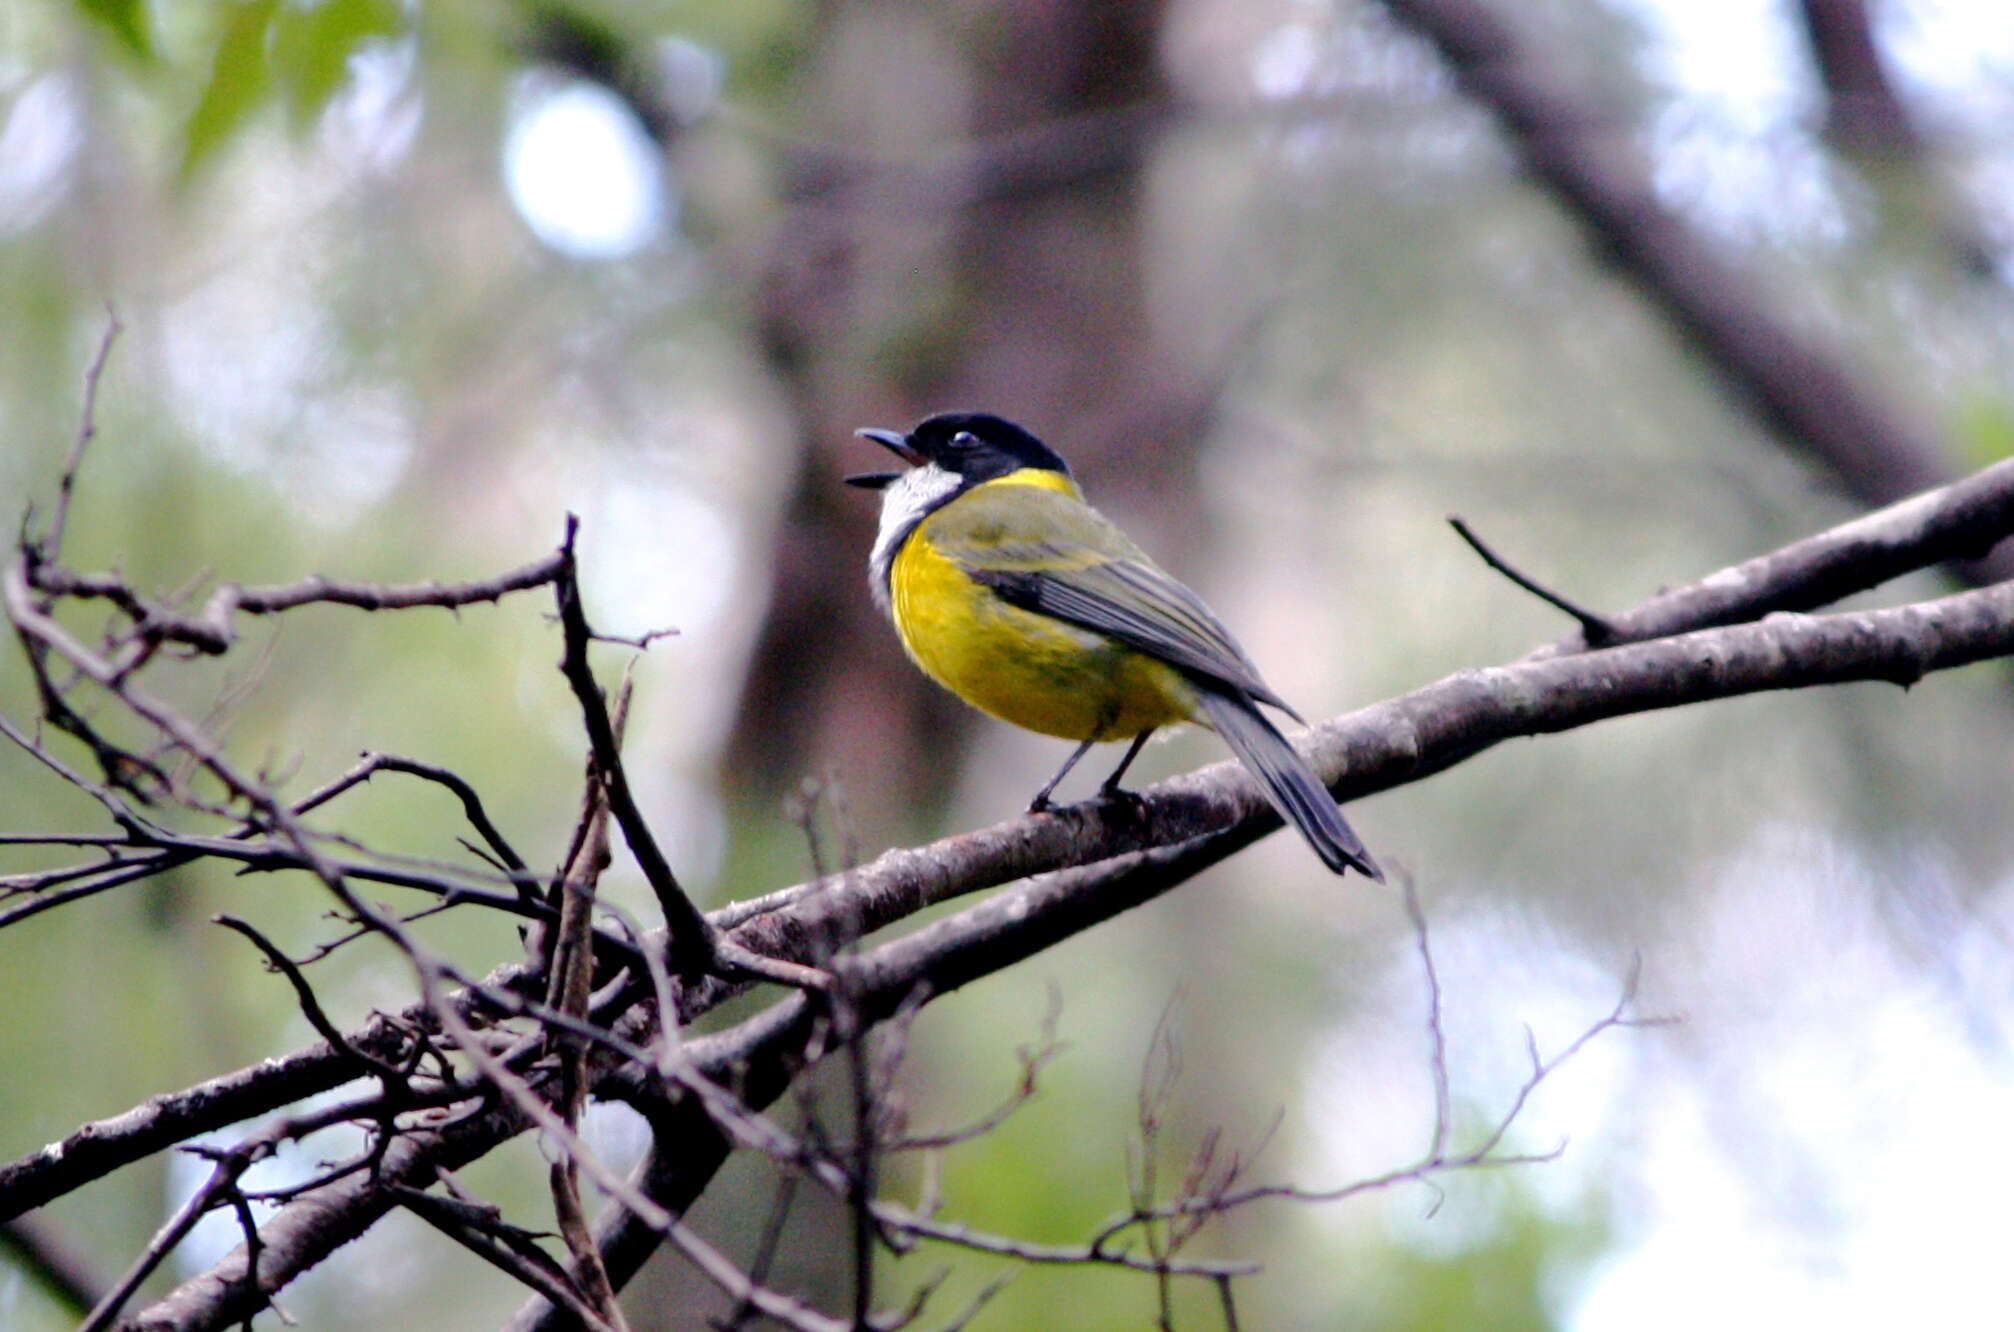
[[126, 20]]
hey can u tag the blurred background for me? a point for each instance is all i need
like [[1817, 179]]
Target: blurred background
[[401, 285]]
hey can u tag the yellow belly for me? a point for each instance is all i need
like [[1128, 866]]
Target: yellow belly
[[1026, 668]]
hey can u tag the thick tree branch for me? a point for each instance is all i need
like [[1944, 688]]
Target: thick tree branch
[[317, 1224], [99, 1148], [1439, 726], [1423, 732], [1959, 522]]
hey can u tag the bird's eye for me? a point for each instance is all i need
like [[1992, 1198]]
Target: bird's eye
[[965, 439]]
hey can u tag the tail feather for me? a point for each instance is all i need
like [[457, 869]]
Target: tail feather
[[1288, 782]]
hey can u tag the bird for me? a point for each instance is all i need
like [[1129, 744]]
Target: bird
[[1011, 591]]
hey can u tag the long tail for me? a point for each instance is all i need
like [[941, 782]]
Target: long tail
[[1288, 782]]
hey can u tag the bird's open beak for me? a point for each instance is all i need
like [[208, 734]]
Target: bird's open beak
[[895, 442]]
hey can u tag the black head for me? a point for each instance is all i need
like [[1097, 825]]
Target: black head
[[974, 445]]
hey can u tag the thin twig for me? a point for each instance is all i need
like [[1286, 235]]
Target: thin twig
[[768, 1243], [50, 543], [715, 1266], [510, 1250], [1033, 1057], [568, 982], [732, 962], [223, 1177], [1482, 1155], [211, 631], [516, 1090], [311, 1007], [1436, 1036], [472, 805], [691, 953], [1594, 628], [1541, 1069]]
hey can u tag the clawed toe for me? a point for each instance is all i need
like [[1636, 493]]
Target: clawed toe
[[1119, 795]]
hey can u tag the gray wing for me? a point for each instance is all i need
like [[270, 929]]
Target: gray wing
[[1141, 606], [1085, 571]]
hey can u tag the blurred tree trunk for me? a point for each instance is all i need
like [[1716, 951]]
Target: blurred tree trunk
[[1020, 242], [1807, 390], [1863, 113], [1867, 120]]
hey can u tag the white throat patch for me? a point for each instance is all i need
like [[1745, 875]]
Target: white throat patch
[[905, 502]]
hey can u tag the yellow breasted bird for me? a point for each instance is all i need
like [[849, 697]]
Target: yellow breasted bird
[[1017, 596]]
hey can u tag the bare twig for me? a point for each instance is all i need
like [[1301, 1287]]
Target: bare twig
[[51, 541], [733, 962], [311, 1007], [1437, 1160], [1033, 1058], [312, 1226], [768, 1243], [863, 1162], [223, 1180], [1961, 521], [715, 1267], [1088, 1254], [472, 805], [1436, 1035], [568, 982], [573, 1228], [1542, 1068], [1595, 629], [534, 1108], [482, 1231], [691, 952], [212, 631]]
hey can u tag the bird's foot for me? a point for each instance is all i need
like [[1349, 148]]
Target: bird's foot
[[1132, 801]]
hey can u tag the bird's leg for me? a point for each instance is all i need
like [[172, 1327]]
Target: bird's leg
[[1041, 800], [1110, 790]]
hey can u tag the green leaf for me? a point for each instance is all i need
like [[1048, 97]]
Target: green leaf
[[312, 47], [240, 76], [127, 20]]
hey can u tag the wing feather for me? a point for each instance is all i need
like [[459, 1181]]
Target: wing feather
[[1094, 576]]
